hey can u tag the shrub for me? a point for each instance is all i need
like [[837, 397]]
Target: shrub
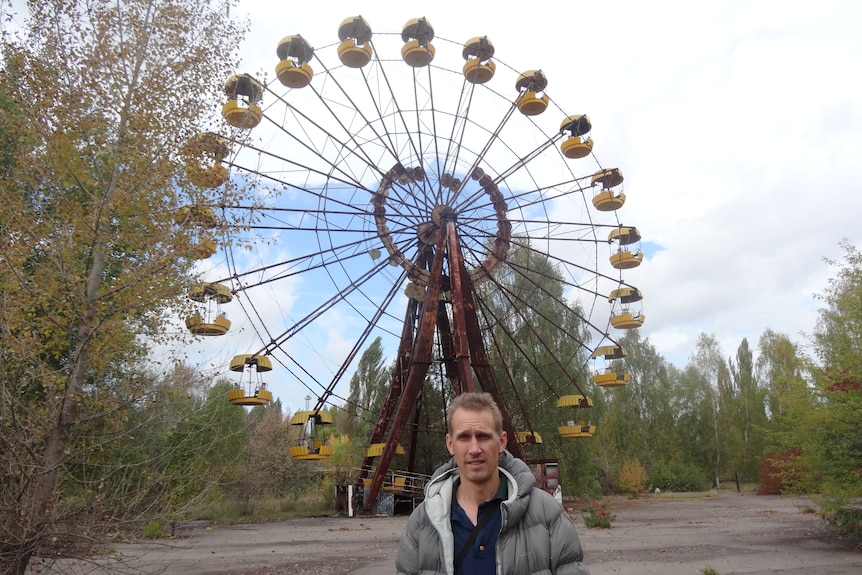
[[600, 515], [154, 530], [633, 478], [842, 518], [779, 473], [594, 490], [677, 476]]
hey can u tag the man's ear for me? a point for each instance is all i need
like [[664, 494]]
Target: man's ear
[[449, 445], [504, 441]]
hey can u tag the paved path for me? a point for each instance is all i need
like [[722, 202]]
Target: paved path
[[734, 534]]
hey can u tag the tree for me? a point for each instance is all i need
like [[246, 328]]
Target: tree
[[749, 412], [715, 396], [175, 450], [832, 439], [103, 94], [532, 336], [267, 469], [639, 419], [781, 369], [368, 387]]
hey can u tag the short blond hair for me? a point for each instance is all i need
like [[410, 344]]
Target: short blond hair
[[476, 401]]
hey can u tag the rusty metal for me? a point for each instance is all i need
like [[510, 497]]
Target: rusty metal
[[414, 434], [447, 348], [458, 275], [421, 359], [479, 356], [464, 358], [402, 366]]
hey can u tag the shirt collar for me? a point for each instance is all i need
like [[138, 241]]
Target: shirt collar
[[502, 491]]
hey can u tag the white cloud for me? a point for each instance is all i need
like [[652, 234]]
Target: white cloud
[[738, 126]]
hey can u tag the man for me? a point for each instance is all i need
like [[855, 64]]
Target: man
[[482, 514]]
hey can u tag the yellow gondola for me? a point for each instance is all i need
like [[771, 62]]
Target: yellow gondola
[[293, 70], [200, 219], [532, 99], [623, 257], [608, 376], [608, 199], [625, 317], [418, 51], [242, 109], [376, 450], [571, 429], [577, 401], [479, 67], [576, 145], [355, 49], [576, 430], [203, 155], [528, 437], [211, 321], [311, 445], [251, 390]]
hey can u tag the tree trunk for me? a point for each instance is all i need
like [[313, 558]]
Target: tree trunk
[[38, 510]]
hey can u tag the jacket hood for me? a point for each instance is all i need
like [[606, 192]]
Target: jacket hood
[[517, 471]]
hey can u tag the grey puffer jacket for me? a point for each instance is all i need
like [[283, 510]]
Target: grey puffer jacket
[[537, 538]]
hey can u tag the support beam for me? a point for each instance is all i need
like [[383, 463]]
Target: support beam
[[418, 369]]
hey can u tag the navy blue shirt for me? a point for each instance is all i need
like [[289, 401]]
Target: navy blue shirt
[[481, 559]]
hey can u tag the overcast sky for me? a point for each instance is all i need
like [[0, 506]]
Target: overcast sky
[[738, 126]]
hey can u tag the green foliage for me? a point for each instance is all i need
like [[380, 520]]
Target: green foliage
[[709, 571], [368, 387], [154, 530], [538, 333], [638, 420], [264, 468], [823, 421], [311, 503], [677, 476], [97, 97], [782, 473], [600, 515], [842, 516], [632, 478], [748, 415]]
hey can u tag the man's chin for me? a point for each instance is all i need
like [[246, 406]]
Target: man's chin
[[476, 474]]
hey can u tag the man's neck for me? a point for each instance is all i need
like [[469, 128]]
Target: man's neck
[[470, 495]]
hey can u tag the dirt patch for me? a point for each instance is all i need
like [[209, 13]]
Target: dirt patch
[[732, 533]]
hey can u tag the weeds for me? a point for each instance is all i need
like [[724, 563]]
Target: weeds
[[600, 515], [154, 530]]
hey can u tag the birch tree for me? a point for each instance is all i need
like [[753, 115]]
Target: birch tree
[[98, 98]]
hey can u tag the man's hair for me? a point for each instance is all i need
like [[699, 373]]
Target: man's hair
[[476, 401]]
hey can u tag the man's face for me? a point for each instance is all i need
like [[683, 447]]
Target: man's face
[[475, 444]]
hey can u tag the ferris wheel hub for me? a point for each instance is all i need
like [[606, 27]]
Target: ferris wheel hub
[[443, 214]]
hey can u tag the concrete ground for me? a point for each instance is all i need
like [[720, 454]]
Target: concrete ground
[[731, 533]]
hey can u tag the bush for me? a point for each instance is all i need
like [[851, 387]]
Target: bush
[[600, 515], [780, 473], [154, 530], [678, 476], [841, 516], [632, 478]]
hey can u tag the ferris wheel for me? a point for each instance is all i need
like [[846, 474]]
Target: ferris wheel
[[403, 183]]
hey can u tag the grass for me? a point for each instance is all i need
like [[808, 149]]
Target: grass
[[268, 509], [710, 494]]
